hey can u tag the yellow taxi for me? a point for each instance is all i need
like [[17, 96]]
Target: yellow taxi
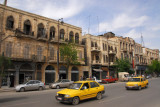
[[80, 90], [137, 83]]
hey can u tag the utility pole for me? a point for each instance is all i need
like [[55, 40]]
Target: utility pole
[[60, 21]]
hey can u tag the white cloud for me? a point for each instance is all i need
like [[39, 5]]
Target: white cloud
[[133, 34], [123, 21], [52, 8]]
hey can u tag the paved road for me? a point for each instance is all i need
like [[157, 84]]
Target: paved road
[[115, 96]]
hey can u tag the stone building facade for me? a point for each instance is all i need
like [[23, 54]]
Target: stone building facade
[[103, 50], [31, 42]]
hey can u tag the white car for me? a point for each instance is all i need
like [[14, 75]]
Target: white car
[[31, 85]]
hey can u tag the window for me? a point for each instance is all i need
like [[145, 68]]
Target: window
[[39, 53], [71, 36], [77, 38], [93, 84], [41, 31], [85, 85], [52, 33], [52, 53], [62, 34], [9, 49], [26, 52], [27, 27], [10, 22]]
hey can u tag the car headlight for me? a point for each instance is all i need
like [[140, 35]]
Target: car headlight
[[136, 85], [57, 94], [67, 95]]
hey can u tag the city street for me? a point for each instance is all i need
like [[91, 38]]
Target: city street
[[116, 96]]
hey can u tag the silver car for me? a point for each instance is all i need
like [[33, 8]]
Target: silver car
[[62, 83], [31, 85]]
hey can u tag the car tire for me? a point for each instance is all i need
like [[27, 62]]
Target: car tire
[[22, 89], [58, 87], [99, 96], [40, 88], [139, 88], [75, 101]]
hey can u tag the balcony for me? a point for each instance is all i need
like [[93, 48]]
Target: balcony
[[95, 49], [42, 38], [131, 51], [54, 40], [52, 59], [112, 63], [27, 34], [112, 52], [96, 62]]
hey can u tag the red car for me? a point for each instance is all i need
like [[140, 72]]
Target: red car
[[109, 79]]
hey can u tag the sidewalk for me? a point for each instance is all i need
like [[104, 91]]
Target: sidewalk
[[10, 89], [6, 89]]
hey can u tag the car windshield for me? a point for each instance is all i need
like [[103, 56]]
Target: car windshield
[[75, 86], [134, 80], [58, 81]]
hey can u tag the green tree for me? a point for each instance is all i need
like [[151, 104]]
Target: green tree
[[69, 55], [4, 65], [123, 66], [154, 67]]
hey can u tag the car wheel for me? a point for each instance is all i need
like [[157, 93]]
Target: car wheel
[[40, 88], [22, 90], [139, 88], [75, 101], [58, 87], [99, 96]]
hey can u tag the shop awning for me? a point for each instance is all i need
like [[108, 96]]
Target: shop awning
[[74, 71], [104, 68], [98, 70]]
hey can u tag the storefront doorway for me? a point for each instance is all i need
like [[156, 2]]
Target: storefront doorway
[[49, 74], [74, 74], [62, 72]]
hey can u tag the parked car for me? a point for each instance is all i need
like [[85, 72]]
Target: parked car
[[62, 83], [109, 79], [137, 83], [148, 76], [31, 85], [94, 79], [80, 90]]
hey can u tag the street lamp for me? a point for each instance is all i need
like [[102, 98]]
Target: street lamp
[[60, 21]]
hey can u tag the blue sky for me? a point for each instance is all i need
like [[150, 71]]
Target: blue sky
[[128, 18]]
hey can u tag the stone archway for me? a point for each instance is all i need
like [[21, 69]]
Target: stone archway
[[74, 74], [62, 72], [26, 73], [49, 74]]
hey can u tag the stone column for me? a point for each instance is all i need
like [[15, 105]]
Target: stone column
[[17, 67]]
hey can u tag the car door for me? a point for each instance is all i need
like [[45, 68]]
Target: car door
[[29, 85], [93, 90], [84, 91], [62, 84], [142, 82], [36, 85]]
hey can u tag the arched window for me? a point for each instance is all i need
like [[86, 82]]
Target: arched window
[[10, 22], [39, 53], [77, 38], [97, 58], [62, 34], [92, 45], [27, 27], [41, 31], [26, 52], [8, 49], [96, 44], [52, 33], [71, 36]]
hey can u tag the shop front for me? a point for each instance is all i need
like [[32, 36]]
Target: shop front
[[74, 74], [49, 74]]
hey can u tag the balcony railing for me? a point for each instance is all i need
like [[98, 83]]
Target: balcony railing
[[96, 62], [112, 52], [95, 48]]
